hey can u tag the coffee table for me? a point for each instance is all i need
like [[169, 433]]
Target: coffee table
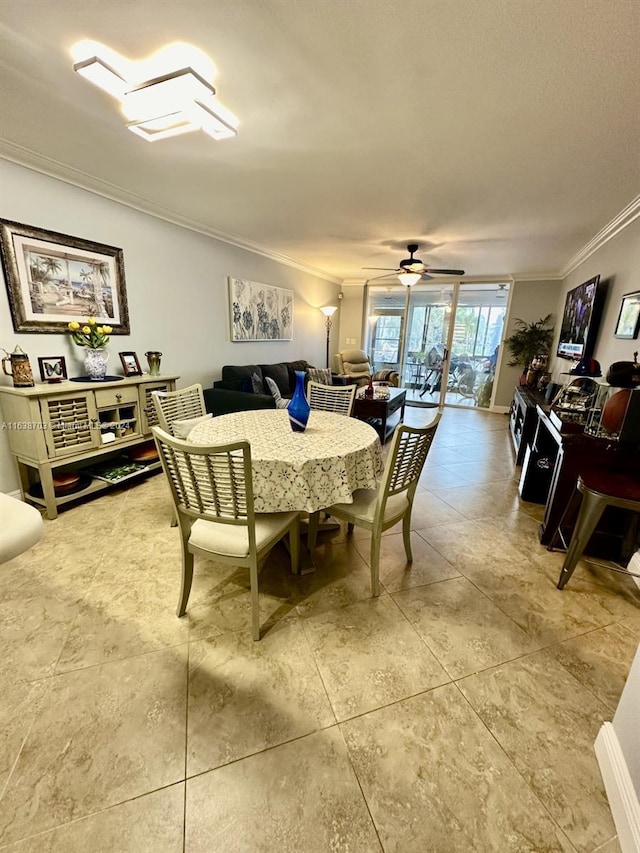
[[378, 410]]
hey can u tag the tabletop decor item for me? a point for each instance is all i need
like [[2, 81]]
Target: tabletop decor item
[[130, 364], [51, 278], [299, 407], [20, 368], [53, 368], [153, 357], [94, 338]]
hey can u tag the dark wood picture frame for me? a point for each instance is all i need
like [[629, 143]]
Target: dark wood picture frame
[[52, 279], [628, 322], [130, 364], [53, 368]]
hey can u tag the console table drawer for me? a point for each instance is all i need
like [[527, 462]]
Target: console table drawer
[[115, 396]]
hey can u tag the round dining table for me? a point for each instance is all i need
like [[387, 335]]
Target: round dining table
[[300, 471]]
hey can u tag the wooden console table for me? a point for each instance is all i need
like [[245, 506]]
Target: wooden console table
[[65, 426]]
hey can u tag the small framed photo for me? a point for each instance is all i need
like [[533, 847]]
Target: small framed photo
[[628, 323], [53, 368], [130, 364]]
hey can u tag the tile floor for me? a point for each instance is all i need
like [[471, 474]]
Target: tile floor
[[457, 712]]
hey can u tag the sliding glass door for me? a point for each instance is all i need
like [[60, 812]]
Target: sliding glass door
[[441, 337]]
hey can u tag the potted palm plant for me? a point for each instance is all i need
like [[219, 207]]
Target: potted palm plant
[[528, 342]]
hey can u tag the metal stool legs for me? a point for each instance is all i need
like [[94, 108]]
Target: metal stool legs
[[591, 509]]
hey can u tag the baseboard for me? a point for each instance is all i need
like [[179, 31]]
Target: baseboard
[[622, 796], [500, 410]]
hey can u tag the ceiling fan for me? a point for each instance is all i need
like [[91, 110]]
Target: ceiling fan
[[412, 270]]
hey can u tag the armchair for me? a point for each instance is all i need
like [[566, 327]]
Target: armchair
[[355, 364]]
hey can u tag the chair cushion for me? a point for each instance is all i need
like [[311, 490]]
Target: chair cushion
[[22, 527], [233, 541], [281, 402], [364, 505], [182, 428], [320, 374], [280, 375]]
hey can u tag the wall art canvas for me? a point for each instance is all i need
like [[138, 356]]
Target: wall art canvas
[[260, 312], [629, 317], [53, 278]]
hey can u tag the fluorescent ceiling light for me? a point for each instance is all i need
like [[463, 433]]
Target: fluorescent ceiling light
[[409, 278], [173, 103]]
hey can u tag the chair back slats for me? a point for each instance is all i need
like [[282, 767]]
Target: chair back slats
[[179, 405], [212, 482], [331, 398], [407, 457]]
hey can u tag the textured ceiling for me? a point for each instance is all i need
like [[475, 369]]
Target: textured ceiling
[[501, 136]]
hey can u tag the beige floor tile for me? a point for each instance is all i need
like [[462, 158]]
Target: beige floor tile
[[611, 846], [33, 631], [464, 630], [245, 696], [108, 734], [439, 477], [149, 824], [20, 703], [469, 501], [120, 620], [429, 510], [600, 660], [547, 724], [434, 779], [369, 656], [428, 565], [301, 797], [341, 577]]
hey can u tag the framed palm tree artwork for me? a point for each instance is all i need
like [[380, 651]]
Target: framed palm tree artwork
[[52, 279]]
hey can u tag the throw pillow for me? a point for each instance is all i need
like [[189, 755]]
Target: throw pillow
[[320, 374], [257, 385], [181, 429], [281, 403]]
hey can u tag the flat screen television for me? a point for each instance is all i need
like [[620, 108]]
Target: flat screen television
[[580, 320]]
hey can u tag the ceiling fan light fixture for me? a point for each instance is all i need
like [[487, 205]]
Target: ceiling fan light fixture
[[409, 278]]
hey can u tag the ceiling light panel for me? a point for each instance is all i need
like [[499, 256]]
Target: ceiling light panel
[[176, 102]]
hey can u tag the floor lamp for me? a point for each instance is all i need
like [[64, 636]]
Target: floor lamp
[[328, 311]]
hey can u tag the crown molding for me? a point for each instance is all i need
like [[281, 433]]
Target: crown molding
[[541, 276], [77, 178], [617, 224]]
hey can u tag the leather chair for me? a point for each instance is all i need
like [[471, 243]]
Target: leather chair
[[354, 364]]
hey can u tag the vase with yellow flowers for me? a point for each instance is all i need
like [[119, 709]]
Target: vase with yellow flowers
[[94, 338]]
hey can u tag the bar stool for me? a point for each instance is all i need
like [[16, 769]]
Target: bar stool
[[599, 489]]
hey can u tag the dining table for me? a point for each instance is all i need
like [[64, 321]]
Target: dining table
[[300, 471]]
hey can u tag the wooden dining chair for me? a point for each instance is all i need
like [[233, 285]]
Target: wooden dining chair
[[212, 491], [379, 509], [331, 398], [179, 411]]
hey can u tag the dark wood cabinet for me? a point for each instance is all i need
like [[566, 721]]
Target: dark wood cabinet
[[554, 458], [523, 420]]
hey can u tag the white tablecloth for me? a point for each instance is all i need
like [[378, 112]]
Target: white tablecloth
[[300, 470]]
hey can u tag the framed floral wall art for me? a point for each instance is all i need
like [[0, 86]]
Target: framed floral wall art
[[260, 312], [53, 279]]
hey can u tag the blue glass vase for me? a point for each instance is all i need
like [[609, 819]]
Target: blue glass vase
[[299, 407]]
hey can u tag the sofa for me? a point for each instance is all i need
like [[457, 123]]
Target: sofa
[[243, 387]]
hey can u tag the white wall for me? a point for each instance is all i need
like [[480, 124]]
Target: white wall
[[529, 301], [176, 286], [617, 263]]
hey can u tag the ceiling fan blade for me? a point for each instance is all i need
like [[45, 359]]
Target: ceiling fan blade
[[445, 272], [376, 277], [391, 269]]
